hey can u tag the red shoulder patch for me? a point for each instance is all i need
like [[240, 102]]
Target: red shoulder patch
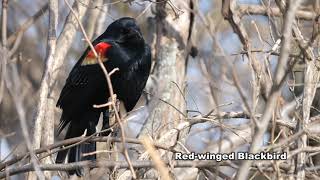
[[101, 48]]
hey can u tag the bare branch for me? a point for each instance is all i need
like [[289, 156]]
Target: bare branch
[[12, 38], [105, 164], [164, 172], [45, 113], [46, 90], [273, 11], [279, 76]]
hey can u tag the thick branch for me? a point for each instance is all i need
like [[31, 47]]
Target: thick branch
[[274, 11], [278, 82], [106, 164], [64, 42]]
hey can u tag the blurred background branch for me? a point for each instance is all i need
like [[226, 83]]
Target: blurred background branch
[[193, 102]]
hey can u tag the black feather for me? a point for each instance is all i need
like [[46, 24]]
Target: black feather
[[86, 85]]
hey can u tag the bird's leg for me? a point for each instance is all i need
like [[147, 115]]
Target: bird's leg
[[118, 105], [105, 122], [109, 117], [111, 110]]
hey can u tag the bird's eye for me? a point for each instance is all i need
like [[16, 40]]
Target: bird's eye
[[124, 31]]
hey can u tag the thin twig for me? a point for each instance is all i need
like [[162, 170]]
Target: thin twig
[[12, 38], [107, 164], [111, 93], [278, 82], [69, 143], [45, 133], [159, 164]]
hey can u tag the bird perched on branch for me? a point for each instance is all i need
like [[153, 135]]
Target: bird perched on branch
[[120, 46]]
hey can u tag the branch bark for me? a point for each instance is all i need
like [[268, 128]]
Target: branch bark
[[93, 18], [27, 24], [47, 95], [170, 72], [106, 164], [12, 80], [45, 112], [274, 11], [261, 128], [311, 79]]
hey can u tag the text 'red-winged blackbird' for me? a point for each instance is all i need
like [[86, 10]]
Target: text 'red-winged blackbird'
[[120, 46]]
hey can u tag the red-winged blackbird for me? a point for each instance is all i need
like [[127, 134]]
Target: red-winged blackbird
[[120, 46]]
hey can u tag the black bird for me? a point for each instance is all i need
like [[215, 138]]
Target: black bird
[[120, 46]]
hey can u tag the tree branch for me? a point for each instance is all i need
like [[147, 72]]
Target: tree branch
[[278, 82], [12, 38], [47, 95], [274, 11], [44, 110]]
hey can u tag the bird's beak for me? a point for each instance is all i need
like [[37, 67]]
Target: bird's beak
[[133, 32]]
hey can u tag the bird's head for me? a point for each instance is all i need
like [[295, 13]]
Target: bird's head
[[125, 31]]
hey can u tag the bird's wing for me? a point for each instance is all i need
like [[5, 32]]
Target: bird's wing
[[78, 77], [77, 81]]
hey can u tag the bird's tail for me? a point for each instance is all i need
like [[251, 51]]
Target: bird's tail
[[79, 152]]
